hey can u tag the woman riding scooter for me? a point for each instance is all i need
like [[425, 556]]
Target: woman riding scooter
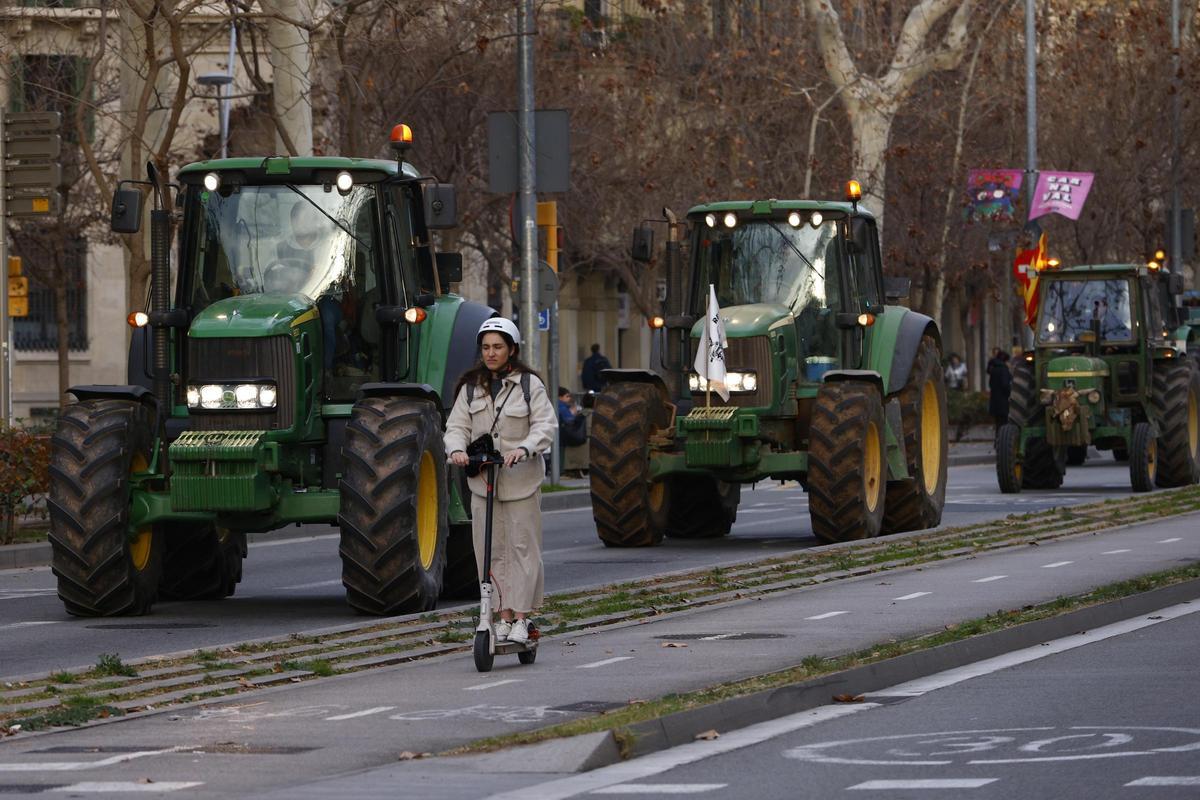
[[502, 398]]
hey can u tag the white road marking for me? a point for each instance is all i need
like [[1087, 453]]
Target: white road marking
[[828, 614], [21, 594], [660, 788], [71, 766], [605, 662], [314, 585], [647, 766], [294, 540], [912, 596], [1167, 780], [990, 578], [366, 713], [926, 783], [1168, 541], [492, 685], [1056, 564], [718, 637], [1115, 552], [30, 624], [111, 787]]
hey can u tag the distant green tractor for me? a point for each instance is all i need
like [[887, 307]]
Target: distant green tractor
[[299, 375], [829, 386], [1109, 369]]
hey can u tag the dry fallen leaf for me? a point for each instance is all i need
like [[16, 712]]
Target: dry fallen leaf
[[409, 755], [849, 698], [708, 735], [145, 780], [245, 683], [673, 644]]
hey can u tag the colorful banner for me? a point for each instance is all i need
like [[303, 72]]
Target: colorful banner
[[1025, 270], [992, 195], [1061, 193]]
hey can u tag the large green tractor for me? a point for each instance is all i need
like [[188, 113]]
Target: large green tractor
[[1109, 369], [829, 385], [296, 370]]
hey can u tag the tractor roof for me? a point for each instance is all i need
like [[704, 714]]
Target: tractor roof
[[773, 207], [300, 163]]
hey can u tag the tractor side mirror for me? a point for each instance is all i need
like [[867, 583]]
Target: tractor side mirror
[[896, 290], [643, 244], [441, 206], [126, 211], [449, 268], [1175, 284]]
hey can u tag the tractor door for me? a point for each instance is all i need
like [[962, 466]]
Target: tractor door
[[410, 276], [865, 281]]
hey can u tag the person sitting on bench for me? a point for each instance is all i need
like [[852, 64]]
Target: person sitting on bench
[[572, 427]]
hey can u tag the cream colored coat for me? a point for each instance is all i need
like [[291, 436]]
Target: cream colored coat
[[529, 425]]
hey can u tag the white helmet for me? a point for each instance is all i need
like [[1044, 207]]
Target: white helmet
[[500, 325]]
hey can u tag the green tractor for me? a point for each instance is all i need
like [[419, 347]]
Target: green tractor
[[1109, 369], [829, 386], [296, 369]]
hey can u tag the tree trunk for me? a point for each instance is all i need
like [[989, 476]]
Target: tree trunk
[[292, 63], [871, 129]]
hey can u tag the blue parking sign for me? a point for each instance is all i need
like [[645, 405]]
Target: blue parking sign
[[544, 319]]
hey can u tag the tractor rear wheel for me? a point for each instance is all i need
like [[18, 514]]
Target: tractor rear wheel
[[1042, 467], [629, 509], [916, 502], [847, 462], [1008, 460], [202, 562], [393, 506], [1076, 455], [460, 579], [103, 568], [1176, 399], [701, 507], [1143, 458]]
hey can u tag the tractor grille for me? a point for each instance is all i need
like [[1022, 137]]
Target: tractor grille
[[751, 353], [232, 360]]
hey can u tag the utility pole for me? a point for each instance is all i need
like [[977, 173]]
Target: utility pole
[[1175, 232], [1030, 149], [6, 415], [526, 147]]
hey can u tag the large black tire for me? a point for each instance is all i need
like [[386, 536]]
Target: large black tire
[[629, 510], [1023, 406], [103, 569], [847, 462], [1143, 458], [393, 506], [701, 507], [201, 562], [1008, 462], [1076, 455], [1042, 467], [460, 579], [1176, 399], [916, 502]]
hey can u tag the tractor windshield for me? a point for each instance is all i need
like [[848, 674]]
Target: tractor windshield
[[771, 261], [1067, 308], [281, 240]]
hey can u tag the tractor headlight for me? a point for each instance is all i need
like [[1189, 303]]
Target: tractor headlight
[[736, 382], [231, 396]]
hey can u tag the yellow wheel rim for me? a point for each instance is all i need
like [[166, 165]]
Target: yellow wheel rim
[[1152, 459], [1017, 472], [655, 495], [1193, 428], [427, 510], [142, 543], [931, 437], [872, 468]]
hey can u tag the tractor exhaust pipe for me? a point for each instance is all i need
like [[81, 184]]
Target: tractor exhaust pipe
[[675, 293], [160, 301]]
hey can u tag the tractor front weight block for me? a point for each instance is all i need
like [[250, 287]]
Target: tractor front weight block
[[223, 471]]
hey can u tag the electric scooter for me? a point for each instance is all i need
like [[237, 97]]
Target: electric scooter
[[486, 646]]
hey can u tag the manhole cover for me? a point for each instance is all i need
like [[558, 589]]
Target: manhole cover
[[589, 707], [721, 637], [151, 626]]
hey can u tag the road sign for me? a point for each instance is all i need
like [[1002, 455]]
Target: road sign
[[543, 319], [552, 167], [14, 266], [18, 287], [46, 176], [18, 306], [547, 285], [38, 206], [32, 121], [37, 147]]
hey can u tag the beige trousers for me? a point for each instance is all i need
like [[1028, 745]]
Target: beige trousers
[[516, 550]]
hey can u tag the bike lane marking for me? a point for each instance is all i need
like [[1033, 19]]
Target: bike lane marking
[[924, 783], [480, 687], [366, 713]]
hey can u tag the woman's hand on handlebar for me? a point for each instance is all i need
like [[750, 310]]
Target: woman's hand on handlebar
[[459, 459], [513, 456]]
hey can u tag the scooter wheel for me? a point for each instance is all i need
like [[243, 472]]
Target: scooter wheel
[[483, 652], [527, 656]]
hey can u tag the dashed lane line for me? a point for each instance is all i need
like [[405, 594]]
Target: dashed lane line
[[480, 687], [605, 662], [1167, 780], [313, 585], [125, 787], [355, 714], [923, 783], [660, 788], [31, 623], [1168, 541], [1056, 564], [912, 596], [1115, 552], [989, 579], [828, 614]]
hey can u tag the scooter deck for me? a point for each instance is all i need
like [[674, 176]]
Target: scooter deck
[[510, 648]]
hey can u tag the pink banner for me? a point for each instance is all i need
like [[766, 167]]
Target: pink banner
[[1061, 193]]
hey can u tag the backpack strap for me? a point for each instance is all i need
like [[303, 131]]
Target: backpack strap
[[525, 386], [470, 392]]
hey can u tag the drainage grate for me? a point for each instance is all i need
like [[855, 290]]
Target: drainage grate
[[723, 637], [151, 626], [589, 707]]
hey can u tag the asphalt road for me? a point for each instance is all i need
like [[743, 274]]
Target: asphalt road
[[294, 585], [1112, 719]]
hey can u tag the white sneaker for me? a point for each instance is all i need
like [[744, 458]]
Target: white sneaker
[[520, 632], [503, 630]]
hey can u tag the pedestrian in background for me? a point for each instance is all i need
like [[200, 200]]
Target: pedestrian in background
[[999, 387], [593, 366], [503, 398], [956, 373], [572, 427]]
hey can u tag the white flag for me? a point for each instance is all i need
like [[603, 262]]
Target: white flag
[[710, 355]]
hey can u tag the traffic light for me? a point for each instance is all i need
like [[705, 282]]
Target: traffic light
[[547, 219]]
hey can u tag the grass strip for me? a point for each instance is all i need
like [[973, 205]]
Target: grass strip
[[618, 720]]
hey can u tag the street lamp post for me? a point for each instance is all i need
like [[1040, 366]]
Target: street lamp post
[[219, 80]]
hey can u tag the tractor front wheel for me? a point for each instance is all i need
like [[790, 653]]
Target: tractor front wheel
[[1008, 459], [393, 515], [103, 567], [629, 509], [1177, 400], [202, 562], [916, 502], [1143, 458], [846, 462], [701, 507]]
